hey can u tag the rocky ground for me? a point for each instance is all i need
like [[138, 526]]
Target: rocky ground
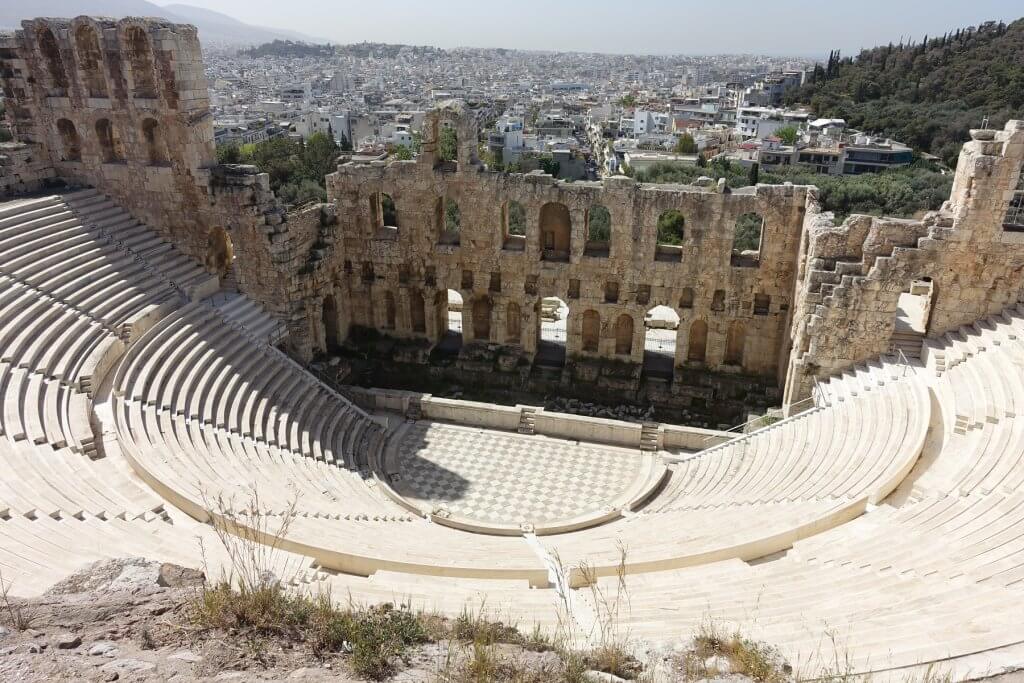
[[126, 620], [129, 620]]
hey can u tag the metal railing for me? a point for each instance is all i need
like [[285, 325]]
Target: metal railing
[[817, 399]]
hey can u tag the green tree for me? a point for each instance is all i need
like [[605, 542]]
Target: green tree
[[452, 217], [403, 153], [345, 145], [787, 134], [628, 100], [549, 165], [686, 144], [747, 236], [670, 227], [448, 145], [229, 154], [599, 224], [752, 175], [319, 156]]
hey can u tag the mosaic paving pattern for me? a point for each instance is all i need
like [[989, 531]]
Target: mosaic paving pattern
[[507, 478]]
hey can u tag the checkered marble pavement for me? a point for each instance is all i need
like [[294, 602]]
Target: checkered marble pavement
[[505, 478]]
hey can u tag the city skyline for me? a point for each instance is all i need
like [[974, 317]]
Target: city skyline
[[599, 28]]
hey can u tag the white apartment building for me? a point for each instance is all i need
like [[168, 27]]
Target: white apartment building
[[762, 122]]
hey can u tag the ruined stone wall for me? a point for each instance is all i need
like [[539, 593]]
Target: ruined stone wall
[[123, 106], [119, 105], [853, 274], [383, 273], [22, 170]]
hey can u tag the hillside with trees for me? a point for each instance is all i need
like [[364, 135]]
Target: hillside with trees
[[289, 48], [927, 94]]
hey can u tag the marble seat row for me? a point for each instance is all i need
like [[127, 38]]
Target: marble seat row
[[859, 446], [193, 366]]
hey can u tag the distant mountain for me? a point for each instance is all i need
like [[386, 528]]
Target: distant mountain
[[214, 27]]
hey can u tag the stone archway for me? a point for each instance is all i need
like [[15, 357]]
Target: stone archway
[[555, 232], [220, 253]]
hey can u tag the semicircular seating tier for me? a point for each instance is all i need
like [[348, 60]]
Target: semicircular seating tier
[[885, 526]]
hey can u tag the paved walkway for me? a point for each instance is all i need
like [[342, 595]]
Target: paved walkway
[[504, 478]]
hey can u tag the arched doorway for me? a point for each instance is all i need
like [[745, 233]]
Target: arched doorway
[[555, 232], [552, 321], [448, 314], [913, 311], [220, 253], [661, 324]]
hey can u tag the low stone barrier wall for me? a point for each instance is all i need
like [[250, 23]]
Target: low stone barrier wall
[[548, 423]]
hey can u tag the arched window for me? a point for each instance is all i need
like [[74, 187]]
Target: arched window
[[599, 231], [697, 345], [220, 253], [591, 330], [90, 61], [482, 319], [513, 323], [670, 227], [54, 62], [156, 148], [389, 215], [746, 242], [389, 311], [417, 312], [447, 147], [449, 219], [555, 232], [735, 340], [140, 57], [686, 298], [72, 145], [110, 144], [624, 335], [513, 217]]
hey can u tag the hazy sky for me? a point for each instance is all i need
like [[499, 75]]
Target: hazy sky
[[636, 26]]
